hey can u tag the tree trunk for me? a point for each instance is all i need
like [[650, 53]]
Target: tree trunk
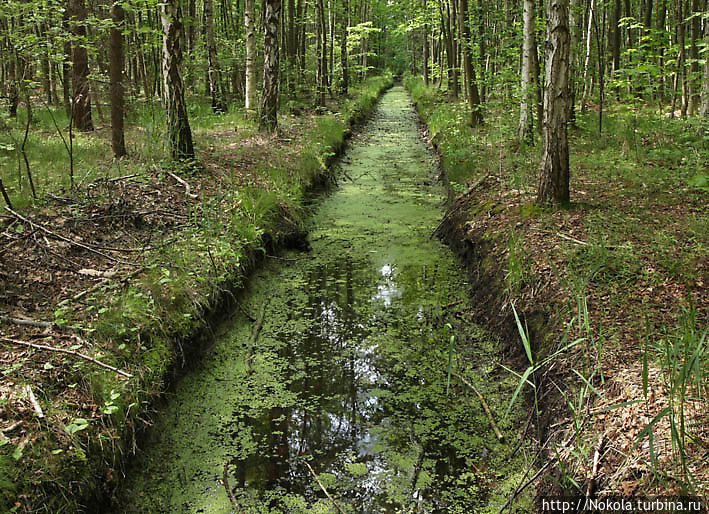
[[526, 124], [116, 79], [554, 168], [704, 109], [343, 47], [470, 79], [250, 93], [616, 35], [179, 134], [80, 68], [586, 78], [425, 46], [268, 119], [693, 82], [218, 104]]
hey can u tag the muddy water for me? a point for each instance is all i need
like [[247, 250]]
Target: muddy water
[[348, 371]]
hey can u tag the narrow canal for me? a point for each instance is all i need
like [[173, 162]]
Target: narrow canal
[[347, 371]]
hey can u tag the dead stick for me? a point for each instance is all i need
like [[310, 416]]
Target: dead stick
[[527, 484], [499, 435], [37, 324], [63, 350], [452, 304], [124, 177], [80, 295], [594, 470], [458, 204], [323, 488], [66, 239], [33, 401], [184, 183], [229, 492]]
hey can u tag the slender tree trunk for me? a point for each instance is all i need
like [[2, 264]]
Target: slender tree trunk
[[525, 116], [80, 68], [616, 35], [470, 79], [704, 109], [178, 127], [13, 89], [343, 47], [682, 60], [218, 104], [554, 168], [426, 78], [587, 61], [693, 82], [250, 36], [116, 79], [66, 68], [319, 58], [268, 119]]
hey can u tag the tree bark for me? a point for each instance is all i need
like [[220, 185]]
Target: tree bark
[[587, 61], [343, 48], [526, 124], [178, 127], [218, 104], [470, 80], [704, 109], [115, 64], [553, 184], [694, 34], [268, 119], [80, 68], [425, 46], [250, 93]]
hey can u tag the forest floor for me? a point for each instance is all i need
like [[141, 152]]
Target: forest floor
[[121, 271], [611, 290]]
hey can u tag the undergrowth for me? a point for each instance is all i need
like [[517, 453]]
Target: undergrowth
[[146, 325]]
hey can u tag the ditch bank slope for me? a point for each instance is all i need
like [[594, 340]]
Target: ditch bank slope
[[601, 310], [68, 423]]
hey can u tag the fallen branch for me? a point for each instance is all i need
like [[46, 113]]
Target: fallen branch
[[259, 324], [124, 177], [184, 183], [80, 295], [486, 408], [594, 470], [457, 204], [452, 304], [38, 324], [66, 239], [229, 492], [68, 352], [33, 401], [323, 488], [527, 484], [11, 427]]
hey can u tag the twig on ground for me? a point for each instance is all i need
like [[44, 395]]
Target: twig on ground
[[33, 401], [457, 204], [124, 177], [452, 304], [229, 492], [184, 183], [486, 408], [66, 239], [64, 350], [594, 470], [93, 288], [323, 488], [38, 324]]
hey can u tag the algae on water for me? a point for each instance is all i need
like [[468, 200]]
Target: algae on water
[[348, 370]]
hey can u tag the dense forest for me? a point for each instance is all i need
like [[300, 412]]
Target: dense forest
[[153, 153]]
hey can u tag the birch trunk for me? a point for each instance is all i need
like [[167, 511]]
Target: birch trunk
[[179, 134], [268, 119], [525, 117], [250, 89], [553, 184]]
